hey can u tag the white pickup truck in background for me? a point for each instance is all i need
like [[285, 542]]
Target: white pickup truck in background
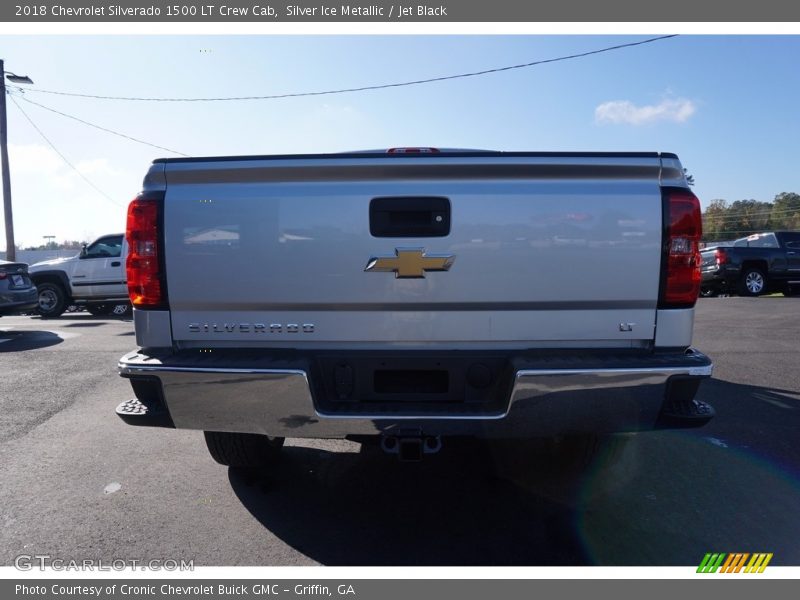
[[414, 294], [94, 279]]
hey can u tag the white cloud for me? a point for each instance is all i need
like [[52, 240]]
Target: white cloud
[[95, 166], [33, 158], [674, 110], [50, 198]]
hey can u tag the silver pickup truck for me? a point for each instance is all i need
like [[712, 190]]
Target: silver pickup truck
[[408, 295]]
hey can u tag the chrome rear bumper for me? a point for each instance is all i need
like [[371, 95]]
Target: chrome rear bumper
[[541, 401]]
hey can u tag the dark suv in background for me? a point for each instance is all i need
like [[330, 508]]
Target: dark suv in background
[[753, 265], [17, 292]]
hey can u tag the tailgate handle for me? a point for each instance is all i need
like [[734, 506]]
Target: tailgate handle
[[409, 216], [116, 263]]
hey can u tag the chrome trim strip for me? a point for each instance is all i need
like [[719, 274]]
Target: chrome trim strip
[[421, 306], [426, 417], [128, 369], [698, 371]]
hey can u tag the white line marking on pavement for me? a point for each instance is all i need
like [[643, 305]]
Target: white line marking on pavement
[[112, 487]]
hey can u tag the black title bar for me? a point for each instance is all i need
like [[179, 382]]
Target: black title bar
[[315, 11]]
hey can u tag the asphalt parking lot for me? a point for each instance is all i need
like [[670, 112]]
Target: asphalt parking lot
[[77, 483]]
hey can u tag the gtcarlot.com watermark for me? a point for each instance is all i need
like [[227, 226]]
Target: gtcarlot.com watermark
[[42, 562]]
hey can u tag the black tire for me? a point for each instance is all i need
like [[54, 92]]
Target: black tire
[[753, 282], [243, 450], [791, 290], [52, 300], [99, 310], [708, 292]]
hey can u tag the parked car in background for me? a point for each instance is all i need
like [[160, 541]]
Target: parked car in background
[[95, 279], [17, 292], [753, 265]]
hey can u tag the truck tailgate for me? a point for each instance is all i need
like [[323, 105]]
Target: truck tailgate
[[543, 251]]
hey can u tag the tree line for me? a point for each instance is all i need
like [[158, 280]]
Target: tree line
[[65, 245], [724, 221]]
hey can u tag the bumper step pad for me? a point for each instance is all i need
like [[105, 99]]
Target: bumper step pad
[[687, 413], [134, 412]]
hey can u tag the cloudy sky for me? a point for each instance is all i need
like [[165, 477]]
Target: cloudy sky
[[727, 105]]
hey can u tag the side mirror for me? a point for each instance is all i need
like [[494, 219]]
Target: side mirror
[[83, 251]]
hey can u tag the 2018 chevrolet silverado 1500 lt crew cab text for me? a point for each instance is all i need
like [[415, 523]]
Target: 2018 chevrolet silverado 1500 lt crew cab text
[[95, 278], [754, 265], [409, 295]]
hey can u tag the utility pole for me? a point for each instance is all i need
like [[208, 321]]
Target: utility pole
[[11, 250]]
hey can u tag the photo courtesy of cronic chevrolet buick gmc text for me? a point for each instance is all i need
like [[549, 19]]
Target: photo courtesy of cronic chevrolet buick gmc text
[[95, 278], [408, 295]]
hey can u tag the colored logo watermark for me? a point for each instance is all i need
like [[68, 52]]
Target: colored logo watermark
[[735, 562]]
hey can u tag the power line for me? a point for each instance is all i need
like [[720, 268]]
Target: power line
[[367, 87], [117, 133], [64, 158]]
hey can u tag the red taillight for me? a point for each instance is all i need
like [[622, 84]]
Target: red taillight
[[683, 250], [145, 286], [721, 256]]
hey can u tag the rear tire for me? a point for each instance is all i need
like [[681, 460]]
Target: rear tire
[[52, 300], [753, 282], [243, 450], [708, 292]]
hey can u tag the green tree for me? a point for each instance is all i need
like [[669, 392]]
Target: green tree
[[714, 220], [748, 216], [786, 211], [723, 221]]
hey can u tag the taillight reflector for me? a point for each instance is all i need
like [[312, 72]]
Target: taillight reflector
[[721, 256], [145, 286], [683, 250]]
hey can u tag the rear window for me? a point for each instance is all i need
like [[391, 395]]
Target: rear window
[[107, 247], [791, 237], [764, 241], [759, 240]]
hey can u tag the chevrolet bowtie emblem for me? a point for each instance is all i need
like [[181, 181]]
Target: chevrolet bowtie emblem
[[410, 262]]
